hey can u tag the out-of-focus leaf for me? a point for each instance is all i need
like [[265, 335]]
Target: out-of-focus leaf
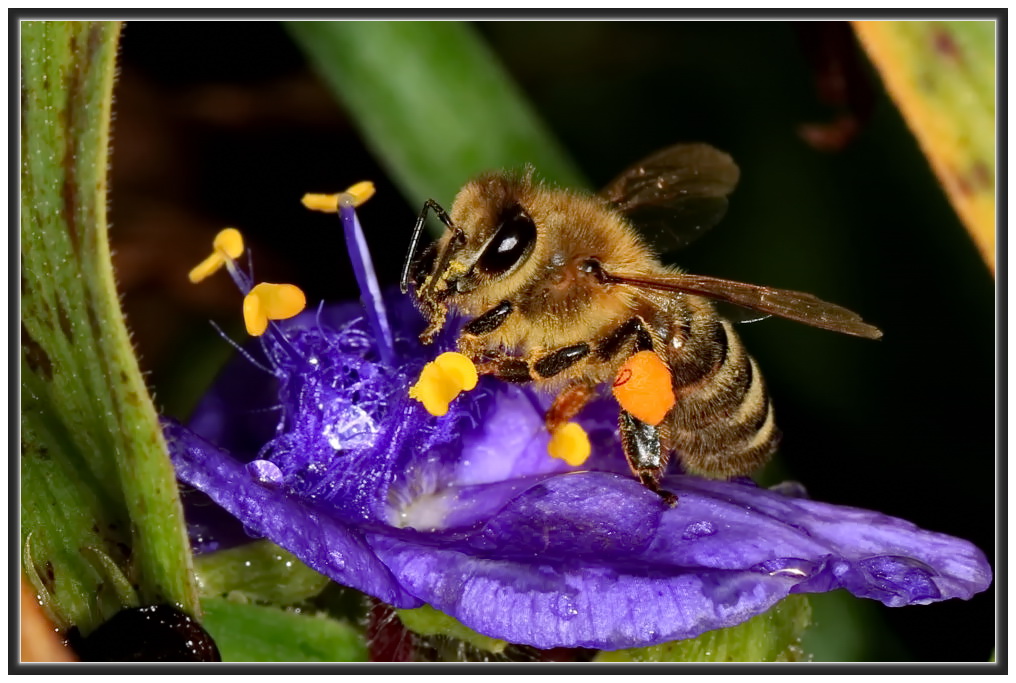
[[771, 637], [99, 504], [941, 74], [256, 633], [260, 571], [432, 102], [845, 629], [427, 621]]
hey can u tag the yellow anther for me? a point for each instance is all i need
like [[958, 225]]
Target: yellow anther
[[329, 203], [570, 443], [361, 192], [270, 302], [227, 244], [442, 380]]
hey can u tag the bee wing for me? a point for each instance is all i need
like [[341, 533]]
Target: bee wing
[[800, 306], [675, 195]]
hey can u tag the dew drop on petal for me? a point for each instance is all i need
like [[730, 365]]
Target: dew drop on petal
[[788, 567], [903, 576], [565, 608], [349, 426], [265, 472], [251, 532], [790, 489], [337, 560], [698, 530]]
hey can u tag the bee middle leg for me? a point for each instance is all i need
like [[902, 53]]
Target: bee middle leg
[[535, 365], [567, 404]]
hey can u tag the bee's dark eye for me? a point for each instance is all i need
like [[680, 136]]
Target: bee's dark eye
[[514, 239]]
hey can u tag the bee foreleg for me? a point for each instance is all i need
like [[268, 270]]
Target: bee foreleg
[[489, 321], [645, 453], [436, 314], [429, 205]]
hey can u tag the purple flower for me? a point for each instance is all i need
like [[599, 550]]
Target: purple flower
[[323, 452]]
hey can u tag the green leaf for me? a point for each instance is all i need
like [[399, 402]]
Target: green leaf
[[255, 633], [427, 621], [432, 102], [259, 571], [99, 504], [771, 637]]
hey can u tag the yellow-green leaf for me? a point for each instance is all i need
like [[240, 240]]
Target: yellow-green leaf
[[941, 74], [771, 637]]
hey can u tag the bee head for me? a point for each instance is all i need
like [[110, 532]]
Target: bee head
[[489, 236]]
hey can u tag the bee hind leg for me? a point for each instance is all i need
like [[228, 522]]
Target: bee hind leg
[[645, 454]]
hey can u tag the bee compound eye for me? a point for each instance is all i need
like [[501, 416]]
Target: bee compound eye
[[514, 239]]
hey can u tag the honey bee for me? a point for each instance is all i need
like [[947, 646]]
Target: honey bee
[[561, 288]]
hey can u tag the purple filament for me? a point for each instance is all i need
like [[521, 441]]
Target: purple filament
[[363, 269]]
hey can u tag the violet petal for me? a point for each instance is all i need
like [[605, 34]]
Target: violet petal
[[323, 543], [578, 561]]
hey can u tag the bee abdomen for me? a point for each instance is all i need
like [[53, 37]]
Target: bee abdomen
[[722, 424]]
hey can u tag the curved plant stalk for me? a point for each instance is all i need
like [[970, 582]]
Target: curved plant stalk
[[101, 517], [941, 74]]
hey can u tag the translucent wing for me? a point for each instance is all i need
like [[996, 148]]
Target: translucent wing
[[675, 195], [799, 306]]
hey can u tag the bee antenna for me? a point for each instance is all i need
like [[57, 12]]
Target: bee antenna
[[414, 241]]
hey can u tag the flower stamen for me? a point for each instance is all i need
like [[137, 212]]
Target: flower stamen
[[442, 380], [269, 301], [227, 246], [329, 203], [345, 204], [570, 443]]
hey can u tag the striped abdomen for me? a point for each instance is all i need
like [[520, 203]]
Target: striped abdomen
[[722, 424]]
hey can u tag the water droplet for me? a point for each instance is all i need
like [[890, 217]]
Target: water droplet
[[265, 472], [791, 489], [338, 561], [253, 533], [698, 530], [565, 608], [349, 427], [905, 579], [788, 567]]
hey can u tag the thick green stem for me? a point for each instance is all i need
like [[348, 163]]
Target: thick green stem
[[99, 502]]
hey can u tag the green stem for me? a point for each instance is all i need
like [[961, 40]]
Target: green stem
[[96, 478]]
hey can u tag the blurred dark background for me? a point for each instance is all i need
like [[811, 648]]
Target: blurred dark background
[[221, 123]]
